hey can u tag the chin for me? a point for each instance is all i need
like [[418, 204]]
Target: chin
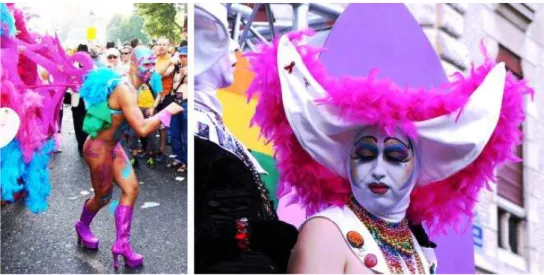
[[227, 81]]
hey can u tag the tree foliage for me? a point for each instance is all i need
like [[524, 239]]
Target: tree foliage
[[125, 29], [162, 19]]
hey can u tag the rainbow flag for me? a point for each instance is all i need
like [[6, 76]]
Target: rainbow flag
[[237, 114]]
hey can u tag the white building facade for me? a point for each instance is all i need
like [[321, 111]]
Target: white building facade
[[508, 235]]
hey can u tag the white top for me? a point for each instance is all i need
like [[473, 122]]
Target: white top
[[347, 221]]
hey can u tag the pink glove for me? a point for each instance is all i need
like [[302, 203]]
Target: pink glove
[[164, 116]]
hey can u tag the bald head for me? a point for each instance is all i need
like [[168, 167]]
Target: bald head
[[163, 43]]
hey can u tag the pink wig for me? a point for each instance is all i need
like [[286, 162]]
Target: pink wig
[[374, 101]]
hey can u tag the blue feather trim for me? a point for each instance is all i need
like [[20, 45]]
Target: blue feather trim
[[7, 22], [98, 85], [12, 166], [36, 178]]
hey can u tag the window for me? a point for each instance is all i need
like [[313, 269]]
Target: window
[[511, 207], [512, 61], [511, 225], [519, 14], [510, 176]]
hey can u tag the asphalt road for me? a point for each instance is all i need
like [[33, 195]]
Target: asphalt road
[[47, 243]]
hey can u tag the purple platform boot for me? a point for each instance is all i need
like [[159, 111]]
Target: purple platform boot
[[84, 234], [123, 220]]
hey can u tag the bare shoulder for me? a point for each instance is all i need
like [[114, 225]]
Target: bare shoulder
[[320, 248], [125, 89], [315, 228], [123, 94]]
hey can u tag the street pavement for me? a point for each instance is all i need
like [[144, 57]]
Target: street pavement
[[47, 242]]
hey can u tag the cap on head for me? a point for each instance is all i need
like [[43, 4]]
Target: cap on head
[[94, 52], [112, 51], [182, 50]]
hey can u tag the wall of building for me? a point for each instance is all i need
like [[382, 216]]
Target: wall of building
[[455, 31]]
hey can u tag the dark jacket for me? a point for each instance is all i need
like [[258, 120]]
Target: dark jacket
[[225, 190]]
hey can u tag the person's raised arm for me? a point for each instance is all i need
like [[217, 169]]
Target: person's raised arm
[[128, 100], [165, 69]]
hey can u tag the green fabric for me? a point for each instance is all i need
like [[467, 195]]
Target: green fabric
[[97, 118], [270, 180]]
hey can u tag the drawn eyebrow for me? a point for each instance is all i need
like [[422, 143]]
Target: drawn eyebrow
[[396, 139], [372, 137]]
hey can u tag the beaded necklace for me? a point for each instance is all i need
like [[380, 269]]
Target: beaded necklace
[[394, 240]]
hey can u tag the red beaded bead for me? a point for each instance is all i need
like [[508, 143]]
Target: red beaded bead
[[240, 226], [241, 235], [371, 260]]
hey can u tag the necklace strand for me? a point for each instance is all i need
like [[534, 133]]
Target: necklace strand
[[394, 240]]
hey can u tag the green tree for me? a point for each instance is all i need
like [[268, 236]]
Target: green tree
[[162, 19], [125, 29]]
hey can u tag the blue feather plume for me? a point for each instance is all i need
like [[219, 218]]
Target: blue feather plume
[[36, 178], [12, 166], [7, 22]]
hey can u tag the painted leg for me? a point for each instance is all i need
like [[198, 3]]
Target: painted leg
[[126, 179], [101, 168]]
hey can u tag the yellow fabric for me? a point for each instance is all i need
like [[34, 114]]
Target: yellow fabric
[[145, 97]]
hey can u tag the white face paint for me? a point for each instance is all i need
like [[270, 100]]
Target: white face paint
[[221, 73], [381, 170]]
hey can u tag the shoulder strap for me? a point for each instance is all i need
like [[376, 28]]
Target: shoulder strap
[[179, 85], [151, 90]]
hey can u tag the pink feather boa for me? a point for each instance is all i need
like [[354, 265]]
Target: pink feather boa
[[369, 100]]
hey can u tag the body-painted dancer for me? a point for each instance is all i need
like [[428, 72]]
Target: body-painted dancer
[[111, 103]]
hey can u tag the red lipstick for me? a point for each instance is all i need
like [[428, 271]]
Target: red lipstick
[[378, 188]]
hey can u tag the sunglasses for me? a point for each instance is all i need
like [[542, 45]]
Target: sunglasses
[[125, 53], [112, 57]]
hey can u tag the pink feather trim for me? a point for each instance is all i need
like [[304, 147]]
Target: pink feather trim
[[368, 100]]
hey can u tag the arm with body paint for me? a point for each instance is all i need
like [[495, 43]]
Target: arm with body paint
[[128, 100]]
